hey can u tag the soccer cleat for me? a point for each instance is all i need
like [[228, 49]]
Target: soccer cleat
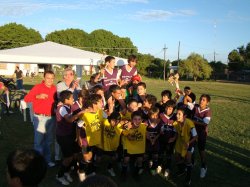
[[203, 172], [62, 180], [140, 171], [82, 176], [187, 182], [68, 177], [51, 164], [111, 172], [153, 172], [159, 169], [166, 173]]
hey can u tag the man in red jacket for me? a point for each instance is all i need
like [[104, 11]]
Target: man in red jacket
[[42, 96]]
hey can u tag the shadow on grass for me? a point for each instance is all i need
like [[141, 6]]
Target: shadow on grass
[[228, 165], [231, 98]]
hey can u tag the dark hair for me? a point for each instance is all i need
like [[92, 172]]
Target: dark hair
[[48, 72], [132, 58], [92, 99], [143, 84], [166, 93], [132, 100], [96, 88], [153, 110], [65, 94], [98, 181], [114, 116], [136, 113], [28, 165], [187, 88], [114, 88], [109, 58], [206, 96], [183, 109], [151, 99], [170, 103]]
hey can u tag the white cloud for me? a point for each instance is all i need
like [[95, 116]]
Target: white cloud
[[159, 15], [27, 7]]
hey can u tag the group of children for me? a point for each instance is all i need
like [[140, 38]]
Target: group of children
[[121, 121]]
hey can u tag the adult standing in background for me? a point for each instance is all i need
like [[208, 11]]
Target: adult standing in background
[[42, 96], [72, 85], [68, 83], [19, 78]]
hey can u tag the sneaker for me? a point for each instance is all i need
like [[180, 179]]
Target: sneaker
[[82, 176], [51, 164], [166, 173], [140, 171], [188, 182], [91, 174], [159, 169], [68, 177], [62, 180], [203, 172], [153, 172], [111, 172]]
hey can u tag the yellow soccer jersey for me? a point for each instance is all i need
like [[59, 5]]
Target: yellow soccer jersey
[[184, 135], [111, 136], [93, 124], [127, 116], [135, 139]]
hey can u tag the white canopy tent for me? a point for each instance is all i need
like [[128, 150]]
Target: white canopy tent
[[53, 53]]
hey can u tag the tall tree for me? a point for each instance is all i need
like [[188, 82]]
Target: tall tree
[[195, 66], [71, 37], [106, 42], [16, 35]]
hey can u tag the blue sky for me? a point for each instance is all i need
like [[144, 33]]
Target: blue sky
[[201, 26]]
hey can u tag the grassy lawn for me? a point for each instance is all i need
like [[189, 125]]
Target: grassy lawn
[[228, 145]]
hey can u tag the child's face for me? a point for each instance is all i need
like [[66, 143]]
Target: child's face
[[111, 63], [169, 110], [70, 100], [114, 122], [98, 105], [154, 116], [146, 104], [100, 92], [203, 102], [141, 90], [133, 107], [180, 116], [117, 94], [135, 82], [132, 63], [136, 120], [165, 98]]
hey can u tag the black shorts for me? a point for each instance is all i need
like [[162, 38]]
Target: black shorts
[[101, 152], [202, 139], [167, 148], [126, 154], [66, 144]]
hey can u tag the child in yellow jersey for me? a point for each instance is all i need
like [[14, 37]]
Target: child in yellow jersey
[[111, 133], [92, 119], [134, 143], [184, 147]]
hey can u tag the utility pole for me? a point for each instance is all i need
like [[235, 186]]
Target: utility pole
[[179, 54], [164, 73]]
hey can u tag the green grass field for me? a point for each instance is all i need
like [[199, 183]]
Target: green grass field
[[228, 145]]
